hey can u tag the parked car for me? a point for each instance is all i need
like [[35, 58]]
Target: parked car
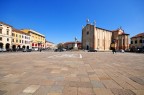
[[2, 50], [27, 50], [20, 49], [140, 50], [60, 50], [94, 50]]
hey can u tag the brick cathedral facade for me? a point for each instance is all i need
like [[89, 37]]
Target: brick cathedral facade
[[95, 38]]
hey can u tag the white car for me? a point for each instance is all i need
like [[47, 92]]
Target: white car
[[2, 50]]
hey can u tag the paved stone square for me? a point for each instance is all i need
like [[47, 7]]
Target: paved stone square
[[71, 73]]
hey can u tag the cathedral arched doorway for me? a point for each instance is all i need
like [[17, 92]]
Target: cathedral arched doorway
[[87, 47]]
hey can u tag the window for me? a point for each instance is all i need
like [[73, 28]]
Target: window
[[13, 34], [7, 32], [135, 41], [16, 40], [7, 39], [22, 36], [19, 36], [87, 32], [0, 31], [131, 42], [123, 42], [12, 40], [140, 41], [16, 35], [20, 41], [0, 38], [143, 41]]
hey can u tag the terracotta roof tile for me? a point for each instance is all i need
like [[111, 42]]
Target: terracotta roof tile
[[5, 24], [139, 35]]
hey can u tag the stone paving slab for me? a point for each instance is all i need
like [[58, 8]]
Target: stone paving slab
[[31, 89], [111, 84], [97, 84], [122, 92], [137, 80], [70, 91], [102, 91], [2, 92], [85, 91], [138, 92], [43, 90], [68, 73]]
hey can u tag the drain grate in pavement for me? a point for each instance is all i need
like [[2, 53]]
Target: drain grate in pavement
[[137, 80]]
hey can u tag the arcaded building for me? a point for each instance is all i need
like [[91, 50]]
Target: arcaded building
[[137, 41], [5, 36], [95, 38]]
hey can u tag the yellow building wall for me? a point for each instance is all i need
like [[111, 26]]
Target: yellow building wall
[[16, 38], [35, 38]]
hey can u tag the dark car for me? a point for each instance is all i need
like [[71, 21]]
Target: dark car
[[140, 50], [60, 50], [92, 50], [27, 50]]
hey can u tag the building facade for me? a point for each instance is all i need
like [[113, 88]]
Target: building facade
[[37, 40], [20, 40], [50, 45], [5, 36], [137, 41], [121, 39], [70, 45], [95, 38]]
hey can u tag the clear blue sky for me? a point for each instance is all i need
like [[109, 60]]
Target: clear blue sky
[[62, 20]]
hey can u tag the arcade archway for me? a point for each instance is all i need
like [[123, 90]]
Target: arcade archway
[[7, 46], [1, 45]]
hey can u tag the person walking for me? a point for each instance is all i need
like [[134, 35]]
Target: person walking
[[113, 46]]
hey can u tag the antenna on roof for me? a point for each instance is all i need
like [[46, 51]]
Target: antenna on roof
[[120, 28], [82, 26], [87, 21], [94, 23]]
